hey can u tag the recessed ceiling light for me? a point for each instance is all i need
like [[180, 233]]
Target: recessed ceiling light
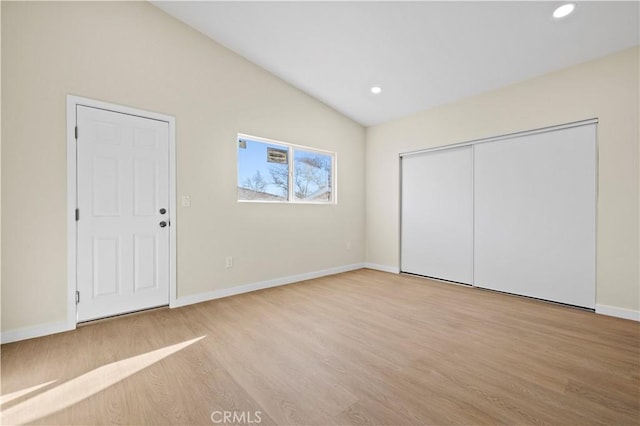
[[376, 90], [564, 10]]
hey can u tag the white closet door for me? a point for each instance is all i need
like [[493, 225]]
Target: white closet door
[[437, 214], [535, 223]]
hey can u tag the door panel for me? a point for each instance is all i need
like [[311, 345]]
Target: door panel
[[535, 215], [106, 266], [145, 262], [144, 182], [123, 182], [106, 192], [437, 214]]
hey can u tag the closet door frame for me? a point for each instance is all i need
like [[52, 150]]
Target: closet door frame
[[500, 138]]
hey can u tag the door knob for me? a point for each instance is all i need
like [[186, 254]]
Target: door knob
[[163, 224], [163, 211]]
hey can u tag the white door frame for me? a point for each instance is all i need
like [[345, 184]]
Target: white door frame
[[72, 230]]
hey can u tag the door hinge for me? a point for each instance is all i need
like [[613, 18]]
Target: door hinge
[[77, 297], [76, 132], [77, 215]]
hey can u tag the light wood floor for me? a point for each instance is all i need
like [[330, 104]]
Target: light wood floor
[[363, 347]]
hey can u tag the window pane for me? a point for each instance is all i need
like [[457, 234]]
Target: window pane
[[312, 176], [263, 171]]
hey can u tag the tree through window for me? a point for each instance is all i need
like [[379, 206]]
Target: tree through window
[[274, 171]]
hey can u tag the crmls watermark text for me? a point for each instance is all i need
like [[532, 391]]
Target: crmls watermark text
[[242, 417]]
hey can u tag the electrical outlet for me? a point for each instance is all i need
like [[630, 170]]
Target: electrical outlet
[[349, 245], [186, 201], [229, 262]]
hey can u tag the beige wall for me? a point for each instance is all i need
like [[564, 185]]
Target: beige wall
[[606, 88], [0, 167], [132, 53]]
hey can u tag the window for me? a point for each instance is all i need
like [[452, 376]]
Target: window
[[271, 171]]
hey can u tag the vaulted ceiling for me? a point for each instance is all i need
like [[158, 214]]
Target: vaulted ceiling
[[422, 54]]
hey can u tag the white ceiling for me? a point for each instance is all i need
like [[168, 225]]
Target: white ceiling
[[422, 54]]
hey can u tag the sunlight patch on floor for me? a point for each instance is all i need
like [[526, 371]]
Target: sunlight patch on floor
[[17, 394], [86, 385]]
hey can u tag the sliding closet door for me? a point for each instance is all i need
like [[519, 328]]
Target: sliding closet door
[[535, 223], [437, 214]]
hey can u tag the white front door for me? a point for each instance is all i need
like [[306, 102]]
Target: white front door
[[123, 213]]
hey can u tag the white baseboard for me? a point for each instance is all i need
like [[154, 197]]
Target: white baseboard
[[226, 292], [61, 326], [383, 268], [618, 312], [35, 331]]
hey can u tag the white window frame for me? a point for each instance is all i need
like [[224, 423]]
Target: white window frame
[[290, 159]]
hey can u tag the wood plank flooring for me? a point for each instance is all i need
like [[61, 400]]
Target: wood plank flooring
[[363, 347]]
